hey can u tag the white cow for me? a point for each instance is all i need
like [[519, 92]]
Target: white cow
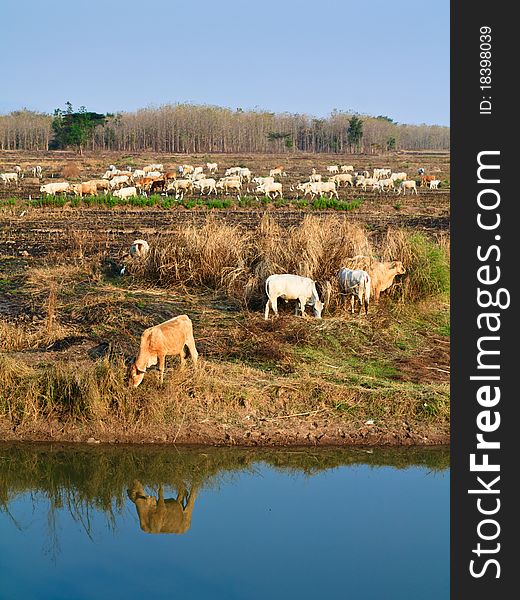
[[5, 177], [139, 248], [356, 284], [206, 183], [119, 181], [408, 184], [292, 287], [126, 192], [55, 188]]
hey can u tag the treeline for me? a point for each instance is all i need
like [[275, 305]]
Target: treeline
[[183, 128]]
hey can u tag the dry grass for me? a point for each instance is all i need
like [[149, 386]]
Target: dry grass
[[71, 171]]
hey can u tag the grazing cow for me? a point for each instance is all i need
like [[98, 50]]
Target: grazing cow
[[382, 275], [139, 248], [181, 186], [170, 176], [277, 171], [229, 184], [356, 284], [160, 341], [434, 184], [55, 188], [345, 178], [36, 171], [408, 184], [5, 177], [245, 173], [119, 181], [324, 187], [292, 287], [232, 171], [346, 168], [84, 189], [155, 167], [425, 179], [158, 185], [126, 192], [206, 184], [212, 167], [333, 169], [160, 515], [262, 180], [101, 184], [402, 176], [384, 184], [271, 190], [144, 184]]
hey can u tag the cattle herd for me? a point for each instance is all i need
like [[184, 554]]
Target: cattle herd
[[202, 180], [175, 335]]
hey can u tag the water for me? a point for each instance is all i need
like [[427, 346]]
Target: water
[[78, 523]]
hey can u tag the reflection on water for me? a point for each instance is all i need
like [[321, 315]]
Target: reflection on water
[[160, 515], [354, 523]]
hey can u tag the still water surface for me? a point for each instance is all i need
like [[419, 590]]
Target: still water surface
[[135, 522]]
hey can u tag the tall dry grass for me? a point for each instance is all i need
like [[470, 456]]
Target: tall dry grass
[[236, 261]]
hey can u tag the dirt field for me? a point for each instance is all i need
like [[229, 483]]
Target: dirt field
[[378, 379]]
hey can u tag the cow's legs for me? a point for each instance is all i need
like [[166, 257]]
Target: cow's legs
[[302, 305], [162, 361]]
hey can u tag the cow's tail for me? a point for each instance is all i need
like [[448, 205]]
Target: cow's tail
[[365, 290]]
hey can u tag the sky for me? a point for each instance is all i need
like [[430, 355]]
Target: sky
[[299, 56]]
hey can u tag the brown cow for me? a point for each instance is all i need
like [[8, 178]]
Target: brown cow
[[382, 275], [84, 189], [425, 179], [168, 338]]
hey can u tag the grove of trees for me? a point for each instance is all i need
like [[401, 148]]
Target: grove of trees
[[186, 128]]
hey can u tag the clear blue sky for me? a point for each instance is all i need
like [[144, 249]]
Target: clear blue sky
[[299, 56]]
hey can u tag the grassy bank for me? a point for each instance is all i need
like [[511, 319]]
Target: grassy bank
[[72, 325]]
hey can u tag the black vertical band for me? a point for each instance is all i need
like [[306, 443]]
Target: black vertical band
[[484, 126]]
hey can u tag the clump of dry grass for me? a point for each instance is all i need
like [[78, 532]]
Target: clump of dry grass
[[212, 255], [64, 390], [14, 336], [71, 171]]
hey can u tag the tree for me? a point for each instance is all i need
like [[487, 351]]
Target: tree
[[74, 128], [355, 131], [390, 143]]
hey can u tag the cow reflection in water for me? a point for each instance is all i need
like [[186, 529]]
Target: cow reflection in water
[[160, 515]]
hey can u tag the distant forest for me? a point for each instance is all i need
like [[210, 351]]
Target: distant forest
[[185, 128]]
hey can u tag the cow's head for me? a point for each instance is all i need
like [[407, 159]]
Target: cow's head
[[399, 267], [135, 375], [317, 308]]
